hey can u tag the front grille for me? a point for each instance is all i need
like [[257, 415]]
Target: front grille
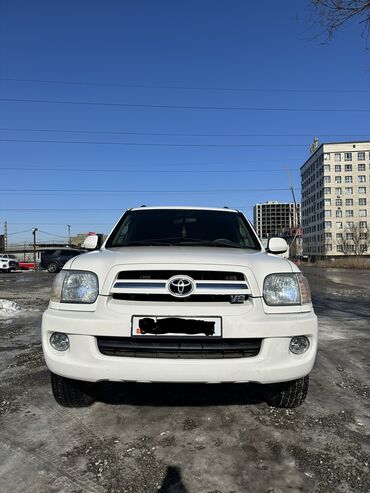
[[167, 298], [197, 275], [184, 348]]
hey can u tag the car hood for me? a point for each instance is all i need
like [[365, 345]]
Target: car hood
[[107, 263]]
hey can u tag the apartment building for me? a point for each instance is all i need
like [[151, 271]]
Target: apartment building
[[336, 199], [276, 218]]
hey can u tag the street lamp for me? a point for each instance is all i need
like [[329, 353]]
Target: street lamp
[[34, 247]]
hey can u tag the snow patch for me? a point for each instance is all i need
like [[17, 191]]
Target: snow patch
[[8, 307]]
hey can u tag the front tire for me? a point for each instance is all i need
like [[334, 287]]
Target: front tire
[[52, 267], [288, 394], [72, 393]]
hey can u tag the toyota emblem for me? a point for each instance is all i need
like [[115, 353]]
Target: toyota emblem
[[180, 286]]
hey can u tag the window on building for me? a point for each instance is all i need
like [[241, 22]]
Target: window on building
[[326, 167], [329, 247], [327, 201], [362, 201], [362, 212], [363, 235], [327, 190], [338, 202], [363, 224], [337, 157], [328, 213], [363, 248], [349, 213], [338, 191], [348, 179], [339, 225], [339, 236], [349, 236], [326, 156], [360, 156], [348, 167], [328, 236], [348, 190], [349, 224], [338, 179], [339, 248], [327, 224], [338, 213], [361, 167], [361, 190], [349, 201], [348, 156], [338, 168], [362, 178], [327, 179]]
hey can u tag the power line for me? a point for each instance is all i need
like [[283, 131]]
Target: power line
[[86, 211], [171, 134], [19, 232], [51, 234], [187, 107], [83, 170], [187, 88], [63, 191], [63, 210], [61, 224], [150, 144]]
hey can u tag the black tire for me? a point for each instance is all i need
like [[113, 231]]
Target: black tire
[[72, 393], [288, 394], [52, 267]]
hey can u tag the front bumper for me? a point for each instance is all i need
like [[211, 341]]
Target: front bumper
[[274, 363]]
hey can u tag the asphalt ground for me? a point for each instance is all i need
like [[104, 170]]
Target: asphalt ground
[[189, 438]]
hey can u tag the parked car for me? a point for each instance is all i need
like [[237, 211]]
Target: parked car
[[25, 265], [181, 295], [54, 260], [8, 263]]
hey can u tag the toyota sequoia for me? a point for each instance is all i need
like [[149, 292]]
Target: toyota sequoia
[[180, 294]]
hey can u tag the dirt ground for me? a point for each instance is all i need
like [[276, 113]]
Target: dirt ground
[[144, 438]]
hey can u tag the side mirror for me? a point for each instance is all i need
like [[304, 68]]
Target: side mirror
[[91, 242], [277, 245]]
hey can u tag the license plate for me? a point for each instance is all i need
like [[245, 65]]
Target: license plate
[[176, 326]]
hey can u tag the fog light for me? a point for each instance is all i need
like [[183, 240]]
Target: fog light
[[299, 344], [59, 341]]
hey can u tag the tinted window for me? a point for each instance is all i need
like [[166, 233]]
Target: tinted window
[[183, 227]]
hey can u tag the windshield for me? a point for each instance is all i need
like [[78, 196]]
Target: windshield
[[183, 227]]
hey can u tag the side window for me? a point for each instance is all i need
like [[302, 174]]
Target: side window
[[67, 253]]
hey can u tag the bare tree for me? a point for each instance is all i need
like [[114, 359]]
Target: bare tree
[[354, 240], [334, 14]]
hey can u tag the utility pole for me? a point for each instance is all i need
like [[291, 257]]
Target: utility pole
[[69, 234], [34, 247], [5, 236]]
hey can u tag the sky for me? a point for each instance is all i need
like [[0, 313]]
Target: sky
[[110, 105]]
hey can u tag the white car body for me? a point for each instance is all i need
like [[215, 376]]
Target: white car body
[[8, 263], [112, 317]]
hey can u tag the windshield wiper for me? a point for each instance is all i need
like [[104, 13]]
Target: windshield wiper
[[145, 243], [211, 243]]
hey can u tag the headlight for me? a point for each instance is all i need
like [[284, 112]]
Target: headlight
[[286, 289], [73, 286]]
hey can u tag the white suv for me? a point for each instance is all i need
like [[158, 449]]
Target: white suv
[[8, 262], [180, 294]]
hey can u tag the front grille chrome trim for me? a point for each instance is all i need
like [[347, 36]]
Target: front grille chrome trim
[[205, 282], [140, 285]]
